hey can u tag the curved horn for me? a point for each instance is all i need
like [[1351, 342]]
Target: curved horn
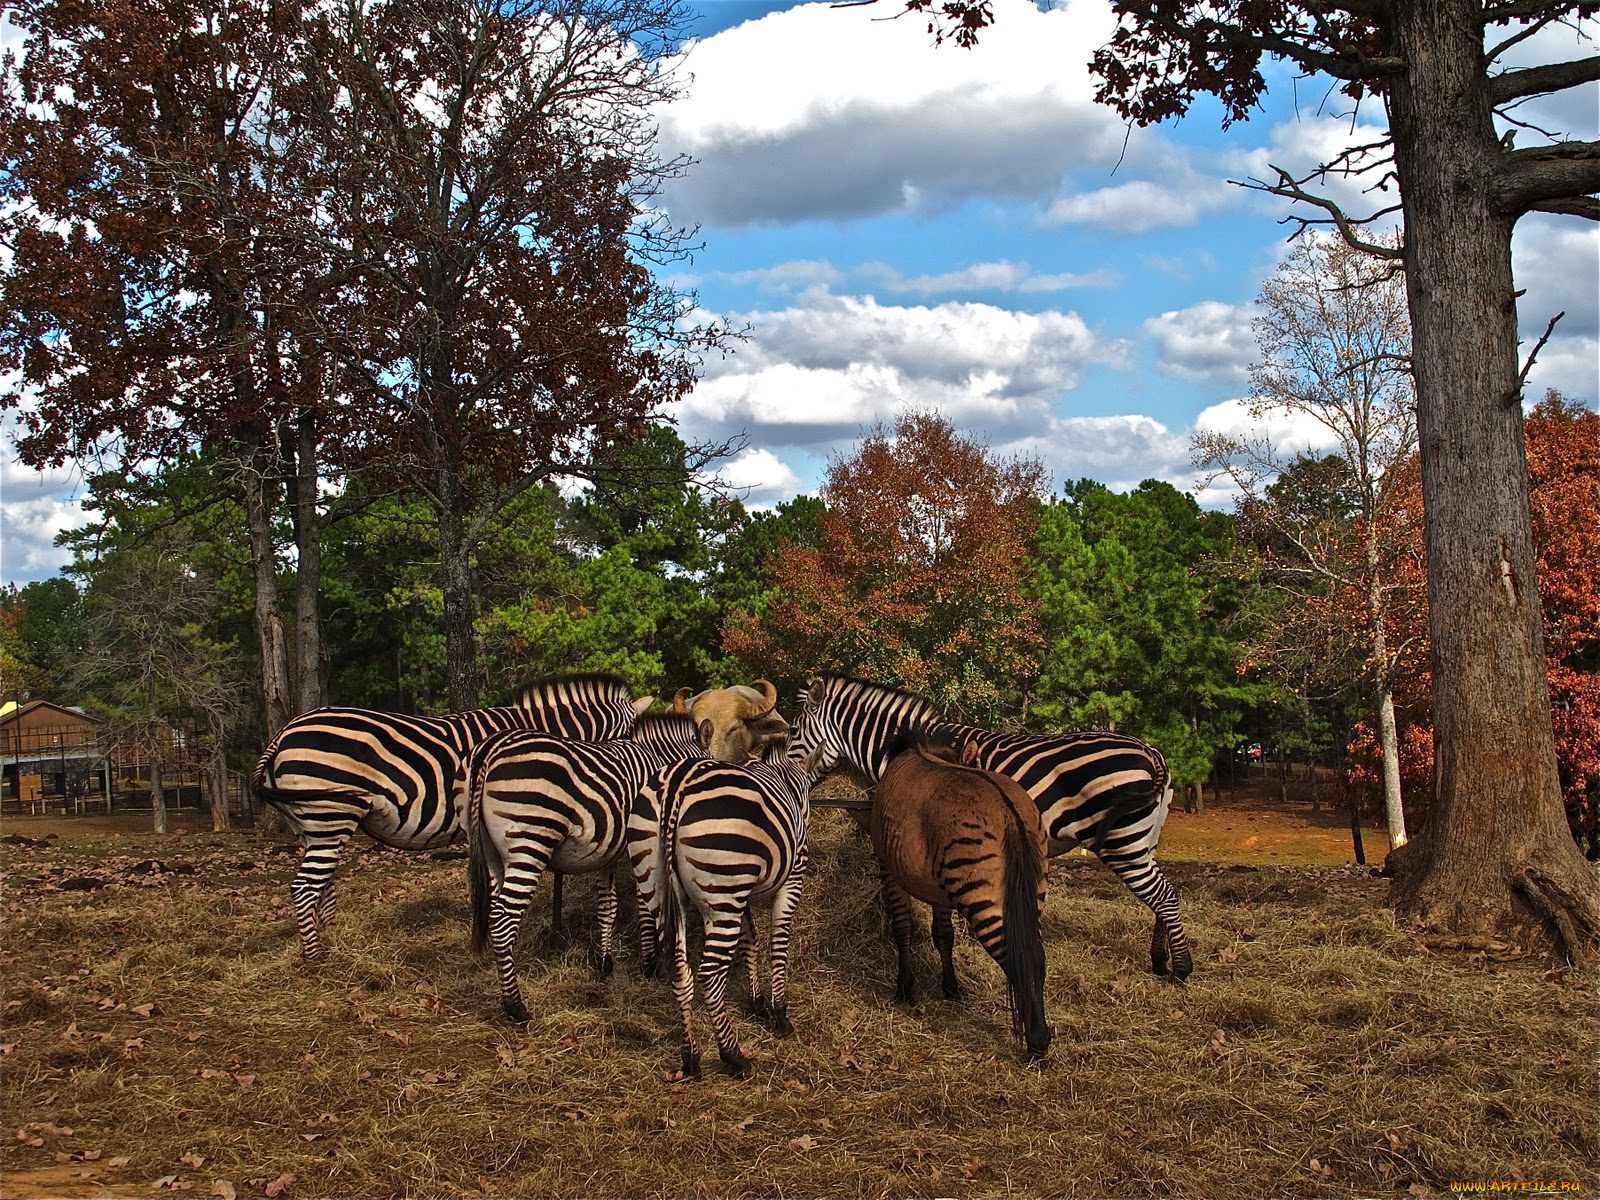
[[771, 695], [678, 705]]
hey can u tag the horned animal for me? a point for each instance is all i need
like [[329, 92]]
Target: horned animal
[[960, 838]]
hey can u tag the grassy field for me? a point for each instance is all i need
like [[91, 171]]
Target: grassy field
[[160, 1034]]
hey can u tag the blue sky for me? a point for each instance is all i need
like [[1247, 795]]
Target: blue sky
[[910, 227]]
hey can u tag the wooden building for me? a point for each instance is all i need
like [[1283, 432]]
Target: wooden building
[[52, 758]]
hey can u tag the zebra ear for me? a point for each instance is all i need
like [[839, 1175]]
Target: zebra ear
[[642, 703], [814, 689], [809, 763]]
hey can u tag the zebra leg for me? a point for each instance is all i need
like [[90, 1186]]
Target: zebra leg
[[750, 947], [312, 885], [683, 993], [1145, 880], [327, 906], [641, 847], [723, 932], [605, 895], [783, 908], [944, 937], [523, 867], [898, 904]]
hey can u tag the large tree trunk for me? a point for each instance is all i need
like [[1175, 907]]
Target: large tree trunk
[[1495, 856], [455, 558], [264, 564], [1389, 747], [309, 690], [215, 773], [158, 798]]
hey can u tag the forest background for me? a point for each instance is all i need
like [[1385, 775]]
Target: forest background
[[409, 370]]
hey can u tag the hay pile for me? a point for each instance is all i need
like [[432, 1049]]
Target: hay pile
[[160, 1033]]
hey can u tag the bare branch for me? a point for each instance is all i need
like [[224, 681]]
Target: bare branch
[[1534, 353], [1291, 188], [1536, 81]]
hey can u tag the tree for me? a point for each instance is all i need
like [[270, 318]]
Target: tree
[[151, 306], [917, 581], [1133, 602], [1495, 856], [485, 171], [46, 619], [1564, 476], [1332, 331]]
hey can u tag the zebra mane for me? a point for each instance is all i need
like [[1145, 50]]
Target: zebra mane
[[545, 686], [919, 708]]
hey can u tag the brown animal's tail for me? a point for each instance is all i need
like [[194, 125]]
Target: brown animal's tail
[[1024, 962]]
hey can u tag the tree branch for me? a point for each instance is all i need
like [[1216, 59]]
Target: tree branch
[[1534, 353], [1291, 188], [1566, 174], [1536, 81]]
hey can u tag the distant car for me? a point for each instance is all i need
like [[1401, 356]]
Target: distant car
[[1251, 752]]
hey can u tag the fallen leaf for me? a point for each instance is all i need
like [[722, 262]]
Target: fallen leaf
[[120, 1161], [794, 1085], [245, 1081], [277, 1185], [224, 1188], [805, 1143], [143, 1010], [746, 1123], [193, 1160]]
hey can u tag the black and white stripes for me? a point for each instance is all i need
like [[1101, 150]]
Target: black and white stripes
[[730, 836], [536, 801], [397, 778], [1106, 790]]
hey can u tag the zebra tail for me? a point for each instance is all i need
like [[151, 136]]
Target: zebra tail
[[1024, 965], [479, 847], [667, 880]]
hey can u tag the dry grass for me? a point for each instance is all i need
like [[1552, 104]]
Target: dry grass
[[1318, 1050]]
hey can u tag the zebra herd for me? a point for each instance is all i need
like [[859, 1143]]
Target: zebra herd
[[576, 772]]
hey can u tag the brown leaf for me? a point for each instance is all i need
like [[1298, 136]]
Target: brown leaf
[[794, 1085], [224, 1188], [746, 1123], [410, 1092], [120, 1161], [193, 1160], [142, 1010], [278, 1184], [245, 1081], [804, 1143]]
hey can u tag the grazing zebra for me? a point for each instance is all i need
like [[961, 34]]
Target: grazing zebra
[[1106, 789], [397, 778], [960, 838], [732, 835], [535, 801]]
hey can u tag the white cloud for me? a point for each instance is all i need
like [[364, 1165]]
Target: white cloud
[[1210, 342], [1120, 451], [824, 113], [1143, 205], [1001, 276], [1291, 432], [794, 276], [34, 510], [760, 476], [823, 368]]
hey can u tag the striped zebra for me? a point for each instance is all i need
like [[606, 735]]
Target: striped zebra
[[732, 835], [397, 778], [536, 801], [1108, 790]]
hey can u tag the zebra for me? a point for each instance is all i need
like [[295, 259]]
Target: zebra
[[536, 801], [396, 778], [731, 835], [1107, 789]]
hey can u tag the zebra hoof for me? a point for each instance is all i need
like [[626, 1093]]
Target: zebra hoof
[[690, 1063], [780, 1022], [607, 965], [516, 1012], [738, 1065], [314, 957], [759, 1008], [952, 991]]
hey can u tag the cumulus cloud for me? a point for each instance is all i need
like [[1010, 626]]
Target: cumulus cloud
[[1290, 431], [1143, 205], [824, 367], [36, 507], [760, 476], [1120, 451], [1001, 276], [822, 113], [1209, 342]]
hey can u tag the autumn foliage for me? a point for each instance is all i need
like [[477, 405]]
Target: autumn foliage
[[1563, 441], [917, 578]]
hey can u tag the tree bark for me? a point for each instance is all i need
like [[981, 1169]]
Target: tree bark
[[1495, 856], [215, 772], [158, 799], [310, 691], [1389, 744], [264, 565], [455, 555]]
